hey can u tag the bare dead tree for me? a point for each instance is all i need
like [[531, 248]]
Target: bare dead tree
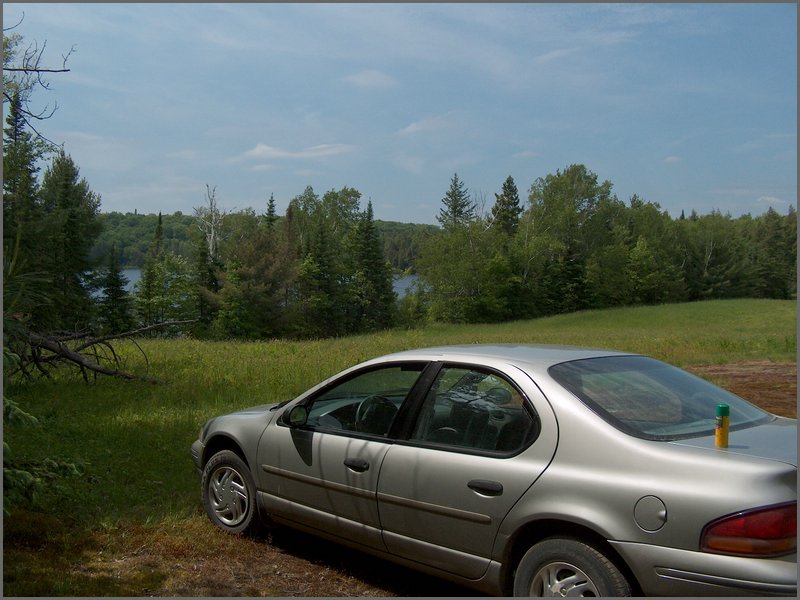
[[209, 220], [24, 72]]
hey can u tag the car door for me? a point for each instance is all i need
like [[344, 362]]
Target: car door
[[322, 473], [477, 445]]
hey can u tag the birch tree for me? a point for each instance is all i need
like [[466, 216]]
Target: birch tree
[[209, 220]]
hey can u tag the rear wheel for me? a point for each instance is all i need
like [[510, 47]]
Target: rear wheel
[[229, 493], [561, 567]]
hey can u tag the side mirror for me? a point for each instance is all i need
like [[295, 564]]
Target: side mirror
[[298, 416]]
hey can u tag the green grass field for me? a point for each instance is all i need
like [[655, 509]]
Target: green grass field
[[132, 439]]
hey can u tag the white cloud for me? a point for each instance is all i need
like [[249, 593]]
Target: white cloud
[[770, 200], [555, 54], [372, 79], [263, 151], [766, 141], [425, 125], [672, 159]]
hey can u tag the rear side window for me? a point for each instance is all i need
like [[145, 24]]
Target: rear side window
[[650, 399], [474, 409]]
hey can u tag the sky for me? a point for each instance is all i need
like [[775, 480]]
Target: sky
[[692, 106]]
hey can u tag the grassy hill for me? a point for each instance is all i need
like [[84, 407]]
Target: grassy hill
[[131, 440]]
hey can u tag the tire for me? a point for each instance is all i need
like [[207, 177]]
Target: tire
[[229, 493], [557, 567]]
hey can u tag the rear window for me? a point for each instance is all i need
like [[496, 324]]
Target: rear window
[[652, 400]]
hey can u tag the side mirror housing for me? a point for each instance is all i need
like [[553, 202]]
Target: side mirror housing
[[298, 416]]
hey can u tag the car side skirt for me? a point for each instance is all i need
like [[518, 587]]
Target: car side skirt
[[319, 523]]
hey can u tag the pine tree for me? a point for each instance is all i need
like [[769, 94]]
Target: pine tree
[[507, 210], [253, 283], [115, 305], [71, 227], [563, 206], [458, 209], [373, 277], [157, 246], [774, 269], [206, 284], [21, 210], [166, 291], [272, 217], [147, 287], [320, 302]]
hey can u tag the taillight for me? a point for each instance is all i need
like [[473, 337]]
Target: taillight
[[760, 532]]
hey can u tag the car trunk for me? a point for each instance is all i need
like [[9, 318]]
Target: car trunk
[[776, 440]]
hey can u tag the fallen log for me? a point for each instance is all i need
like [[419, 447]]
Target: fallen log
[[61, 350], [86, 353]]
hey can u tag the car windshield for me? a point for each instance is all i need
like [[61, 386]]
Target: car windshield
[[652, 400]]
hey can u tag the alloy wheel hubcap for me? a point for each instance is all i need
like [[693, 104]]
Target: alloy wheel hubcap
[[561, 580], [228, 496]]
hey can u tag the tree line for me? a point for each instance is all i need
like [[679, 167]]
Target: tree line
[[571, 245], [131, 234], [574, 245]]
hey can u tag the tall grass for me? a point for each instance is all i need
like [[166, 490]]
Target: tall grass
[[138, 487], [132, 438]]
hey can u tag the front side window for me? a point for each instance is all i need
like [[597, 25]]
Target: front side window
[[366, 402], [650, 399], [475, 409]]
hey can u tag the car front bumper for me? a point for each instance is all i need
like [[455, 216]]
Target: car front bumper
[[197, 454], [672, 572]]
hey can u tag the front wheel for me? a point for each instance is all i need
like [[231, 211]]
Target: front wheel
[[229, 493], [559, 567]]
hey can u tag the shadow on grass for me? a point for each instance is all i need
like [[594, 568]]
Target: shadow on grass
[[394, 579], [44, 555], [48, 556]]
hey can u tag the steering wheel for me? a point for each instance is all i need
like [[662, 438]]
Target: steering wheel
[[367, 409]]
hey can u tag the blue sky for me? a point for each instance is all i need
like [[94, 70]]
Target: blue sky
[[693, 106]]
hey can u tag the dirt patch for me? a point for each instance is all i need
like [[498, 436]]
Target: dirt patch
[[770, 385]]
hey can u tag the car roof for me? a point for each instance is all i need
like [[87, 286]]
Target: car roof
[[537, 356]]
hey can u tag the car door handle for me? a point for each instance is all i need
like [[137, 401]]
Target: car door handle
[[486, 487], [359, 465]]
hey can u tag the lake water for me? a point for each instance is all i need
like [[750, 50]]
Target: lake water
[[400, 284], [133, 275]]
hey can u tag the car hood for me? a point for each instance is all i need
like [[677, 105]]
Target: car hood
[[254, 410], [776, 440]]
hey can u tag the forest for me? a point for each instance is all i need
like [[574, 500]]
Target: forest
[[131, 233], [572, 245]]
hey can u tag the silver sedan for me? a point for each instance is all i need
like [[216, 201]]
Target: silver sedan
[[524, 470]]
